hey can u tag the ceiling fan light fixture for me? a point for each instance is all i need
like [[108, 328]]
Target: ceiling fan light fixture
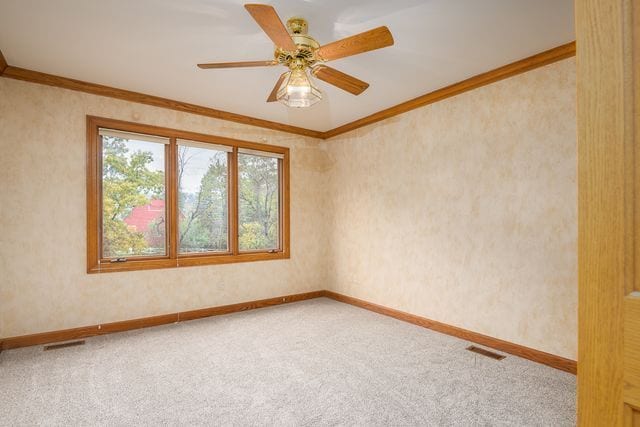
[[304, 56], [298, 89]]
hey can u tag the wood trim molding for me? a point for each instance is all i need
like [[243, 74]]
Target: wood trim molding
[[538, 356], [545, 58], [145, 322], [141, 98]]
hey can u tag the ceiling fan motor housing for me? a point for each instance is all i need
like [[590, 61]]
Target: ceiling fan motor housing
[[307, 46]]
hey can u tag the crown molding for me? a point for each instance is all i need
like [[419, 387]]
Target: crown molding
[[539, 60], [544, 58], [141, 98]]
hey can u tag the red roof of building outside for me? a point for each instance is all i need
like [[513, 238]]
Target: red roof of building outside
[[141, 216]]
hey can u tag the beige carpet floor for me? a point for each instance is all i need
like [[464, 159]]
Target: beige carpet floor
[[317, 362]]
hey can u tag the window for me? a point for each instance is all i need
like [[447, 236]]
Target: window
[[133, 195], [203, 197], [259, 200], [160, 198]]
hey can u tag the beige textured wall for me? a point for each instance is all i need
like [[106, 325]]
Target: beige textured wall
[[465, 211], [43, 280]]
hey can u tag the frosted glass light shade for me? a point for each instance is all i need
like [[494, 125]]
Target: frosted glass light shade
[[298, 90]]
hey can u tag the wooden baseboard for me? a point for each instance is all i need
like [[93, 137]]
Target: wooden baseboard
[[127, 325], [538, 356]]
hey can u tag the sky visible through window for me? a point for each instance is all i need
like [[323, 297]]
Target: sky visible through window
[[191, 176], [156, 149], [199, 161]]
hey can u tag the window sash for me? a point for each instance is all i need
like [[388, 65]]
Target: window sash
[[228, 250], [279, 241], [119, 134]]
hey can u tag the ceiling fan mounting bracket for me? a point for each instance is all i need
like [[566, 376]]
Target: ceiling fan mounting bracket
[[297, 25]]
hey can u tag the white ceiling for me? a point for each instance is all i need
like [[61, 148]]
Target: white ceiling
[[152, 46]]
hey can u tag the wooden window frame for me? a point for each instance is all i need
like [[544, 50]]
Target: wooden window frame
[[97, 264]]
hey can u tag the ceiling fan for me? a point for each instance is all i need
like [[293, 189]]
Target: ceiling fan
[[304, 57]]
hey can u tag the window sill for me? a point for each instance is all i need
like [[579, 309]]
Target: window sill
[[186, 261]]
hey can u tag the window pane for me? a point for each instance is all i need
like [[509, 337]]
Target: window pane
[[133, 198], [258, 202], [203, 200]]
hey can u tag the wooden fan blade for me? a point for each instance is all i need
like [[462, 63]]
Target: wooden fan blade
[[238, 64], [340, 79], [274, 93], [271, 24], [364, 42]]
